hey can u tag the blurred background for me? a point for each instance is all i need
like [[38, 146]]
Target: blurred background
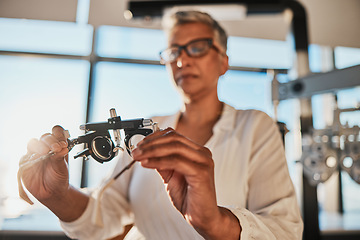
[[68, 62]]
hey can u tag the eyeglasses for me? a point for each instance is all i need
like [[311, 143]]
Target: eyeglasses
[[195, 48]]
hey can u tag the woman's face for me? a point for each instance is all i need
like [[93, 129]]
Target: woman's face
[[196, 77]]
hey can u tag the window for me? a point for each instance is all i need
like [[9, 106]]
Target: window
[[349, 98], [45, 37], [322, 115], [261, 53], [39, 92], [346, 57], [126, 42], [246, 90]]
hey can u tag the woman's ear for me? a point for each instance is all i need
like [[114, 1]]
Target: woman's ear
[[224, 64]]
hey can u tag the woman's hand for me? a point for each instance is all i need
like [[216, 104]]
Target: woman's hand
[[47, 179], [187, 170]]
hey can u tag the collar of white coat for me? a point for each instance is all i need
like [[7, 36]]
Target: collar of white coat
[[226, 121]]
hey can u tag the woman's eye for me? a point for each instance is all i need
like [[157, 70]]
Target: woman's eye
[[197, 49]]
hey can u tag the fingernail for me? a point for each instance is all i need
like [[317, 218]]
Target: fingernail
[[145, 161], [63, 144], [136, 152], [55, 146], [139, 143]]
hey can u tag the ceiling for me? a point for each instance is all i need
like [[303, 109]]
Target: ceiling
[[330, 22]]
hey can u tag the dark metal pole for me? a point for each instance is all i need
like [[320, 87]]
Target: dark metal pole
[[89, 105], [310, 200]]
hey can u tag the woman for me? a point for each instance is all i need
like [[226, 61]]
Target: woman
[[213, 173]]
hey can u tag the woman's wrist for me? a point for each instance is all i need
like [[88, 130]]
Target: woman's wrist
[[226, 226], [70, 206]]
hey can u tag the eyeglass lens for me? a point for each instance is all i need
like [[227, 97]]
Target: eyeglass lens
[[196, 48]]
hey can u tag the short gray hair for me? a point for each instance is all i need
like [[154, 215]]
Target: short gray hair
[[177, 18]]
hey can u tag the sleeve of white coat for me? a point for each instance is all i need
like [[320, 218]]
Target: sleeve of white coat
[[115, 211], [272, 210]]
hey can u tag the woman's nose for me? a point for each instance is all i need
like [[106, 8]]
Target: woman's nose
[[183, 59], [179, 62]]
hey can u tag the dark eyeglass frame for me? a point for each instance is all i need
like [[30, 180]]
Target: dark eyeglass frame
[[184, 47]]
